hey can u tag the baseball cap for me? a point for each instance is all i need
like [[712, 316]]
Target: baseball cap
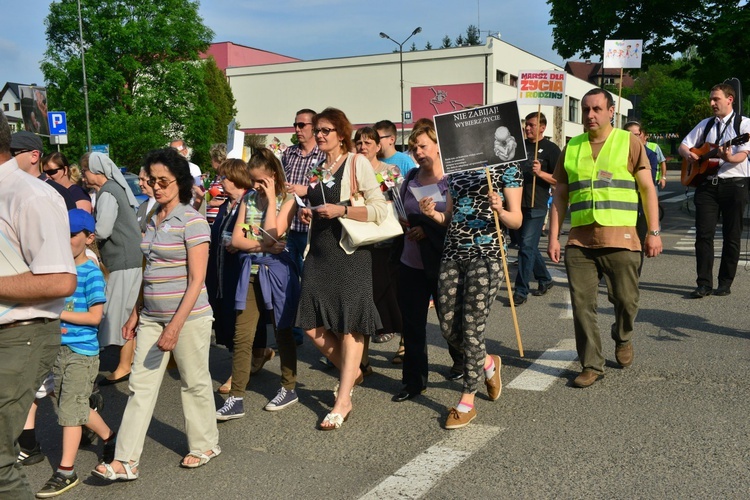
[[26, 141], [80, 220]]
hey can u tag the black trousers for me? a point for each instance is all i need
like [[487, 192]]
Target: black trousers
[[728, 199], [414, 292]]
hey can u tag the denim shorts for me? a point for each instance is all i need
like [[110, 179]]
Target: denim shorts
[[74, 378]]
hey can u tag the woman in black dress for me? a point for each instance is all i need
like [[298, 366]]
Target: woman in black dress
[[336, 305]]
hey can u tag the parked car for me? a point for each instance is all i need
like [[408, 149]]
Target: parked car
[[132, 181]]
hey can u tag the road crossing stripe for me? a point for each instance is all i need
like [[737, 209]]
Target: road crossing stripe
[[676, 199], [548, 368], [422, 473], [568, 312]]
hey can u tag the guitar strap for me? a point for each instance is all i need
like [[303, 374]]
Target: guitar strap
[[719, 131]]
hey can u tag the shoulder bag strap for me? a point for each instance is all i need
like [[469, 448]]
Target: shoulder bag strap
[[353, 186]]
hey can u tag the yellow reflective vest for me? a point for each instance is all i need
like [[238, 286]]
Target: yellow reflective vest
[[601, 191]]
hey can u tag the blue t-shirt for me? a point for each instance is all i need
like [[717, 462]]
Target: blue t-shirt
[[89, 291], [402, 161]]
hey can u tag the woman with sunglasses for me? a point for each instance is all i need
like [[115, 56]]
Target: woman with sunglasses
[[336, 304], [174, 316], [56, 167], [119, 236]]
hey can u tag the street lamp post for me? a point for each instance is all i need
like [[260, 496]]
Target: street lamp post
[[85, 84], [401, 67]]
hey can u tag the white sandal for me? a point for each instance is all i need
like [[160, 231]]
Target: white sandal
[[334, 421], [203, 459], [110, 475]]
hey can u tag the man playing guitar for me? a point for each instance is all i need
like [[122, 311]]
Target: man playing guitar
[[725, 193]]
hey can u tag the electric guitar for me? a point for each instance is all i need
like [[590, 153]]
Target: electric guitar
[[707, 163]]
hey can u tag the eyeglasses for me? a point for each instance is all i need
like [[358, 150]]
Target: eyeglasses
[[16, 152], [300, 124], [385, 136], [162, 183], [53, 171], [325, 131]]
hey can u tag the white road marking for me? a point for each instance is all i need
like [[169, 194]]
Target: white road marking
[[547, 368], [421, 474], [568, 312], [676, 199]]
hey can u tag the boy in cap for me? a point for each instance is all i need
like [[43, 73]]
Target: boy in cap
[[77, 363]]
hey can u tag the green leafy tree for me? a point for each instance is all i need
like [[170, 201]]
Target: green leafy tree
[[715, 30], [447, 44], [428, 46], [667, 95], [472, 35], [222, 99], [413, 47], [460, 40], [146, 81]]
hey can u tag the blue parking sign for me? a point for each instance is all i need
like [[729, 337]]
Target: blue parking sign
[[58, 124]]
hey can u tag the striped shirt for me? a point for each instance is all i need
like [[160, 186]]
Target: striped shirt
[[166, 274], [82, 339]]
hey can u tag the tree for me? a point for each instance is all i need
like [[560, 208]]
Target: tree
[[447, 44], [221, 97], [667, 96], [428, 46], [146, 80], [460, 40], [413, 47], [716, 30], [472, 35]]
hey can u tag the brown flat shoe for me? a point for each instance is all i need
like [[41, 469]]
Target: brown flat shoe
[[225, 387], [257, 363], [494, 384], [457, 419], [587, 378], [624, 355]]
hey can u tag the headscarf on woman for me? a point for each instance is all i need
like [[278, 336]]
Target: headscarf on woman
[[100, 163]]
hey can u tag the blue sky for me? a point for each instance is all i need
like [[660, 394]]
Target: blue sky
[[316, 29]]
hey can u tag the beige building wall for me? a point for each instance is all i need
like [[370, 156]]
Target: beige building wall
[[367, 88]]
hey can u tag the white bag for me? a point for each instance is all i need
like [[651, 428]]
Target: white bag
[[355, 233]]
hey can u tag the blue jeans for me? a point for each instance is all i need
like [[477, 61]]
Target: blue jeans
[[296, 241], [529, 258]]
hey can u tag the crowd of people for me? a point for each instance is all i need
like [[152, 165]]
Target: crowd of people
[[269, 246]]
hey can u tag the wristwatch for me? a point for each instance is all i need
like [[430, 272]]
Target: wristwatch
[[654, 233]]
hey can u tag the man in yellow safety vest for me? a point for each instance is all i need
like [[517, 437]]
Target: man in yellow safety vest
[[600, 174]]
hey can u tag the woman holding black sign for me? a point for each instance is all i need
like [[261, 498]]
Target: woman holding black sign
[[470, 272]]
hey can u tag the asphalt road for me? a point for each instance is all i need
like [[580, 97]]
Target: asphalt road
[[674, 425]]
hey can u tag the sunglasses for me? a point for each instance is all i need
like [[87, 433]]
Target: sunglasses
[[53, 171], [325, 131], [162, 183], [16, 152], [300, 124]]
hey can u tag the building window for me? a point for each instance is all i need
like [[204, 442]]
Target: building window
[[513, 81], [609, 80], [500, 76], [6, 106], [573, 110], [17, 106]]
